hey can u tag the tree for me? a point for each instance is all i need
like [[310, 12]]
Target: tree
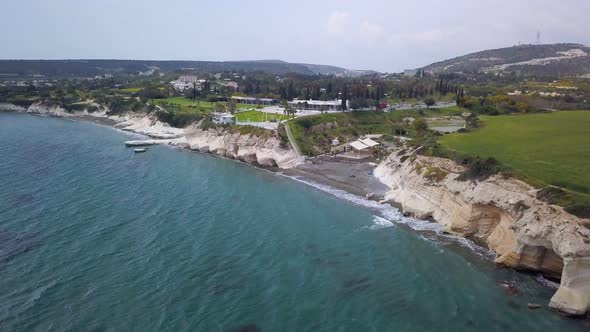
[[420, 126], [231, 105], [429, 102], [219, 107], [344, 97], [290, 91], [359, 103], [287, 109]]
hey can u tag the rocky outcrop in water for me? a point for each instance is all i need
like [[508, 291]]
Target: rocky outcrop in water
[[524, 232]]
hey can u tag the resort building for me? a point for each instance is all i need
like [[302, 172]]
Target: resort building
[[188, 79], [186, 82], [316, 105], [255, 101]]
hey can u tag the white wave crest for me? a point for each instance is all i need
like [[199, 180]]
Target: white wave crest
[[389, 215], [379, 223]]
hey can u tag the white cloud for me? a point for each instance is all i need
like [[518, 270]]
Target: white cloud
[[372, 30], [337, 22]]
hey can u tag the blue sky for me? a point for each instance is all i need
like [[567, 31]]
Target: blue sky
[[369, 34]]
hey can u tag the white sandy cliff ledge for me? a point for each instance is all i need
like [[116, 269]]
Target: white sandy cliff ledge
[[524, 232]]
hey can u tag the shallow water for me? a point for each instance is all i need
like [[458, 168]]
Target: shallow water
[[95, 237]]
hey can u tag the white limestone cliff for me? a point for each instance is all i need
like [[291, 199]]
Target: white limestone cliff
[[524, 232], [264, 151]]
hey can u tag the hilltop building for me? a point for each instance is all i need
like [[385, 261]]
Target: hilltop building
[[186, 82]]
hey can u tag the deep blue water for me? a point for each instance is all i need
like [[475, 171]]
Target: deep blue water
[[95, 237]]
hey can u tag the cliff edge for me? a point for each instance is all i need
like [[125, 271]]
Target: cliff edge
[[524, 232]]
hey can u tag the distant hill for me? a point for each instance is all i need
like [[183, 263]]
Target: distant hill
[[541, 60], [90, 68]]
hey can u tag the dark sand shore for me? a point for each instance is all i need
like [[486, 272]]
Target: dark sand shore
[[355, 177]]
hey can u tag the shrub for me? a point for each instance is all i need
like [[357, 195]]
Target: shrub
[[435, 174], [178, 119], [429, 101], [579, 210], [479, 170], [305, 122]]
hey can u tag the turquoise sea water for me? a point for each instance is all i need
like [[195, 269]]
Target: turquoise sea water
[[96, 238]]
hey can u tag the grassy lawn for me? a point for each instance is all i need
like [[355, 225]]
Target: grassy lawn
[[257, 116], [549, 148], [188, 105]]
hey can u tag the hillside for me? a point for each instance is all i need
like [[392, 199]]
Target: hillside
[[540, 60], [89, 68]]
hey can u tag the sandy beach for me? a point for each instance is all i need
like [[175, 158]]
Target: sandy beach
[[355, 177]]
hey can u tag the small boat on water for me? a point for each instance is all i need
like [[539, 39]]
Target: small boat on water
[[140, 150]]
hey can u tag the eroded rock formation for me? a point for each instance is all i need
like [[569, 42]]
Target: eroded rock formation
[[525, 233]]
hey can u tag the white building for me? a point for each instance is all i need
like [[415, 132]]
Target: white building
[[188, 79], [256, 101], [186, 82], [224, 118], [317, 105]]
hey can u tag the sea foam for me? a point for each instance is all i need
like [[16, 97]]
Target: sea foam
[[387, 216]]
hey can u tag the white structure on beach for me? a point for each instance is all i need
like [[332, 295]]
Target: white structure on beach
[[316, 105], [224, 118], [361, 146]]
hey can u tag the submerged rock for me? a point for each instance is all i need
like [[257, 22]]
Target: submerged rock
[[533, 306]]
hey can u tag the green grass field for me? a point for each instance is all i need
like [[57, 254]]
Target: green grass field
[[188, 105], [257, 116], [548, 148]]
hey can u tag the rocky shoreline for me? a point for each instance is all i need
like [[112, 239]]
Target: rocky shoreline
[[525, 233], [263, 151]]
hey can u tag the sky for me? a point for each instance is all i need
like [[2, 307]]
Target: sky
[[387, 36]]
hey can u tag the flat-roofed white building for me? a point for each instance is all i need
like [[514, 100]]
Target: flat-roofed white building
[[316, 105], [188, 79], [254, 100]]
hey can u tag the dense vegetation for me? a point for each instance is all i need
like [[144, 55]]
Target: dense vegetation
[[314, 134]]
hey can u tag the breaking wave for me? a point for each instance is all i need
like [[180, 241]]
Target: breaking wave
[[387, 216]]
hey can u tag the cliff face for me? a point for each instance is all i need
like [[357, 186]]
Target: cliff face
[[525, 233], [264, 151]]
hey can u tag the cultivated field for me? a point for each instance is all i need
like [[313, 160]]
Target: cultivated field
[[548, 148]]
